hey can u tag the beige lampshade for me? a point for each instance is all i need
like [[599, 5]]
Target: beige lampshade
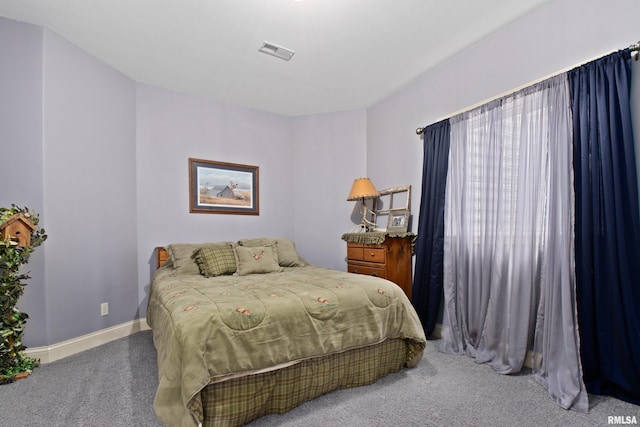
[[362, 189]]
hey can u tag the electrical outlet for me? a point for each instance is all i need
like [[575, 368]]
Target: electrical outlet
[[104, 309]]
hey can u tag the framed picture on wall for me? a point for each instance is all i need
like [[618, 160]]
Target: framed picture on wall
[[223, 188]]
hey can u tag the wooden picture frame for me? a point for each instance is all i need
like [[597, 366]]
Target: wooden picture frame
[[398, 221], [223, 188], [393, 209]]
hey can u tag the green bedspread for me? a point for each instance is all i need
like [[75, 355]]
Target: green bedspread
[[209, 329]]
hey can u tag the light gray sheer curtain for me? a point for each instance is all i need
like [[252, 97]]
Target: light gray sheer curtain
[[509, 279]]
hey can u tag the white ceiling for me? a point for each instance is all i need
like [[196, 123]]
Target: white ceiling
[[350, 54]]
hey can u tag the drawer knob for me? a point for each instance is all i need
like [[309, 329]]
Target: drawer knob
[[372, 254], [374, 274]]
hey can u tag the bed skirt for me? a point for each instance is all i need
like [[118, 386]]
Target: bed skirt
[[239, 401]]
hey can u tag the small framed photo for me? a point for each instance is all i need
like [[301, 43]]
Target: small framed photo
[[223, 188], [398, 220]]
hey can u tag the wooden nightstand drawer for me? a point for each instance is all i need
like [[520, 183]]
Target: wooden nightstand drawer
[[354, 252], [366, 253], [367, 270]]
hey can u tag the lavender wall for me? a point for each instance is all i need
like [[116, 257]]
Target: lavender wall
[[306, 167], [21, 148], [173, 127], [89, 191], [556, 36], [72, 119], [330, 152]]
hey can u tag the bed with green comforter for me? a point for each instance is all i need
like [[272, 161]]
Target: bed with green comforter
[[234, 347]]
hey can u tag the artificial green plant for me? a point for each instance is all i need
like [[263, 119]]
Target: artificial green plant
[[13, 359]]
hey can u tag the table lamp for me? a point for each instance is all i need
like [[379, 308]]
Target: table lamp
[[363, 189]]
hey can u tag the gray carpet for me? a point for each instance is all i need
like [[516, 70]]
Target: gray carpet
[[113, 385]]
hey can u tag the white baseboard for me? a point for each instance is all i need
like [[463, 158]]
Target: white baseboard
[[67, 348]]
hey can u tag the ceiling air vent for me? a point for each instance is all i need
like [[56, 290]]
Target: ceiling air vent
[[275, 50]]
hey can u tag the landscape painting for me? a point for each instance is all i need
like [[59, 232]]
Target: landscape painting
[[223, 188]]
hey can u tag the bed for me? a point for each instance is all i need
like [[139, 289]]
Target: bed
[[248, 328]]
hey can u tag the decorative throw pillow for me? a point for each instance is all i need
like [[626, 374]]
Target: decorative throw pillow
[[287, 254], [182, 255], [285, 248], [216, 261], [256, 260]]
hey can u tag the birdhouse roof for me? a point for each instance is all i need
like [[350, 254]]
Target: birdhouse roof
[[15, 218]]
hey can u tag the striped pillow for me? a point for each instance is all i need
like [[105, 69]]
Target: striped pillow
[[216, 261]]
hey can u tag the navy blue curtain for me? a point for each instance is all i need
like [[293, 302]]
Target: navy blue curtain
[[607, 227], [427, 282]]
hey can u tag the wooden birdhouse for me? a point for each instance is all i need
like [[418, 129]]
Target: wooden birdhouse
[[17, 229]]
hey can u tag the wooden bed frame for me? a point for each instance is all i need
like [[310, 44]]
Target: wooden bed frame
[[279, 391], [161, 256]]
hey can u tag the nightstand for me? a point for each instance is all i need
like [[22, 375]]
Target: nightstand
[[381, 255]]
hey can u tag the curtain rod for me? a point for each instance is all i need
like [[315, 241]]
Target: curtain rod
[[635, 54]]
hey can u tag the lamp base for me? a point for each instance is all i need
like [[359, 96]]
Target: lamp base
[[369, 225], [365, 226], [360, 228]]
